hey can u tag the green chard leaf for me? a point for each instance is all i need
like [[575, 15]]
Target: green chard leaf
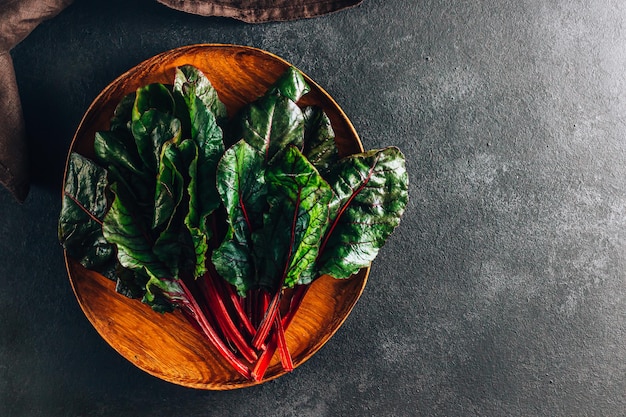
[[242, 189], [208, 137], [289, 241], [151, 130], [370, 197], [152, 97], [118, 148], [117, 152], [123, 113], [174, 245], [291, 85], [197, 214], [83, 208], [191, 83], [128, 227], [319, 139], [274, 121], [206, 113], [162, 294], [170, 182]]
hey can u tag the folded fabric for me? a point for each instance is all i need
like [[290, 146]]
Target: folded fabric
[[257, 11], [13, 155], [17, 19]]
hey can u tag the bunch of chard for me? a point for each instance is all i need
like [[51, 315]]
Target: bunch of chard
[[222, 218]]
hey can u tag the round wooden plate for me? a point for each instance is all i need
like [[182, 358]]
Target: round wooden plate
[[166, 345]]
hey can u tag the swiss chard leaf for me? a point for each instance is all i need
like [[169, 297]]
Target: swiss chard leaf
[[170, 184], [206, 113], [242, 189], [370, 197], [191, 83], [128, 227], [123, 113], [195, 218], [118, 148], [117, 152], [152, 97], [173, 245], [274, 121], [319, 139], [291, 84], [83, 208], [162, 294], [289, 241], [205, 196], [151, 130]]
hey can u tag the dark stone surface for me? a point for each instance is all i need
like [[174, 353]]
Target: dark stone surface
[[503, 292]]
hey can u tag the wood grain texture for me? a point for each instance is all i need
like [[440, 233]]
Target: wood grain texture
[[167, 345]]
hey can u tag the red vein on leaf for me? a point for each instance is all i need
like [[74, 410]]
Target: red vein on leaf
[[345, 206], [83, 208]]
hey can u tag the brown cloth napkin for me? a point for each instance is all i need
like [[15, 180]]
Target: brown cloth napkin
[[17, 19], [257, 11]]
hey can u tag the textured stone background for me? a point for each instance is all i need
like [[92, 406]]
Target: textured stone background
[[503, 291]]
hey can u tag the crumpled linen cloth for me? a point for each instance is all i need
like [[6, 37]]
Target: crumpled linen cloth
[[19, 17], [258, 11]]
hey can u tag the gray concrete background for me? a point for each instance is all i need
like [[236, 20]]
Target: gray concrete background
[[502, 293]]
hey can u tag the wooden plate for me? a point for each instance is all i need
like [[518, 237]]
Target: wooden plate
[[166, 345]]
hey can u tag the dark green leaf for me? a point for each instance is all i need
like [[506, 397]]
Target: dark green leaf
[[298, 200], [173, 245], [274, 121], [206, 111], [191, 83], [151, 130], [319, 139], [128, 228], [210, 150], [370, 197], [84, 206], [196, 217], [170, 184], [152, 97], [162, 294], [242, 189], [123, 113], [118, 149], [291, 85]]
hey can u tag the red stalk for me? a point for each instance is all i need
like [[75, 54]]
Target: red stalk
[[264, 360], [296, 299], [225, 321], [283, 350], [247, 304], [237, 306], [268, 320], [194, 311], [265, 302]]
